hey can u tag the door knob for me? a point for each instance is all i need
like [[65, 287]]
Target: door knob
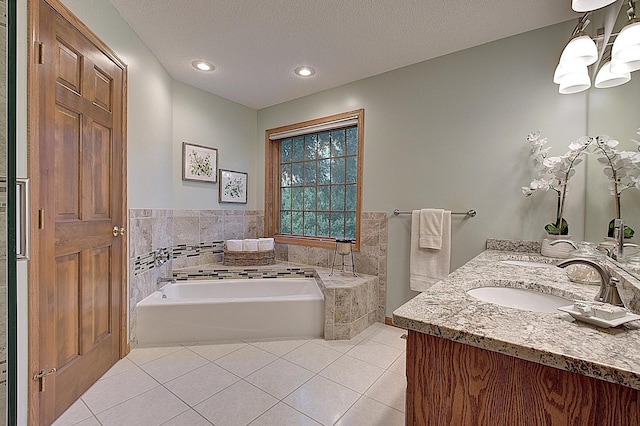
[[118, 231]]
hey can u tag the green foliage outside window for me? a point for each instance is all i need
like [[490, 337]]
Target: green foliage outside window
[[318, 184]]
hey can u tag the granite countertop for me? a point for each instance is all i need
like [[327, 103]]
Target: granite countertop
[[552, 339]]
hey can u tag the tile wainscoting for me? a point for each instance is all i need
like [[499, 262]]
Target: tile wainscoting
[[196, 237]]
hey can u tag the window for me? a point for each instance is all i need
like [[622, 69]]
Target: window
[[314, 180]]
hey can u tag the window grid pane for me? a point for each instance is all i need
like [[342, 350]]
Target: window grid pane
[[318, 184]]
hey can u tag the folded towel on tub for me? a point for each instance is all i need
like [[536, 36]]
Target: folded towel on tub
[[250, 244], [234, 245], [265, 244]]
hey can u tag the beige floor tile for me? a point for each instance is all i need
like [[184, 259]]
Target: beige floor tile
[[151, 408], [106, 393], [390, 389], [369, 330], [121, 366], [188, 418], [213, 352], [352, 373], [91, 421], [279, 348], [322, 400], [76, 413], [143, 355], [280, 378], [237, 405], [201, 383], [368, 412], [342, 346], [174, 365], [390, 336], [399, 366], [246, 360], [375, 353], [283, 415], [312, 357]]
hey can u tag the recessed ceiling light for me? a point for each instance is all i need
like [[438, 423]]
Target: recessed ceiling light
[[305, 71], [203, 65]]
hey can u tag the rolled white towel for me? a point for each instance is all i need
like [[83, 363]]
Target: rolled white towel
[[234, 245], [250, 244], [265, 244]]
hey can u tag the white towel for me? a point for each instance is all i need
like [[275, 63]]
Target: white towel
[[428, 266], [250, 244], [265, 244], [234, 245], [431, 228]]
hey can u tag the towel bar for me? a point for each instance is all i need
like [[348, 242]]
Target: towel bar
[[470, 213]]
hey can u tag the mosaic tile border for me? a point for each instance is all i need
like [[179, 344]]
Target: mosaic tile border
[[147, 261], [251, 273]]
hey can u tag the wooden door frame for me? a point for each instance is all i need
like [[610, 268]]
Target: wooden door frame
[[33, 137]]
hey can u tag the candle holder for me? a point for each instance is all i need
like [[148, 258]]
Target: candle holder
[[343, 248]]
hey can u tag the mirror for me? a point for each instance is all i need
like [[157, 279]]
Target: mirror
[[612, 112]]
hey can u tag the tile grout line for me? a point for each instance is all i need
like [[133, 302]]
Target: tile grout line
[[254, 344]]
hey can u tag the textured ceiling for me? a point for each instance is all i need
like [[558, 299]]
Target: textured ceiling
[[256, 44]]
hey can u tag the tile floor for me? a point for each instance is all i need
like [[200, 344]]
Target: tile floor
[[292, 382]]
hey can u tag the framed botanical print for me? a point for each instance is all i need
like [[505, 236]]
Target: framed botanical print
[[232, 187], [199, 163]]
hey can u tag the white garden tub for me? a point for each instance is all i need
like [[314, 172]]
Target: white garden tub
[[231, 309]]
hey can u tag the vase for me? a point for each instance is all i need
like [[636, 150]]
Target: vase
[[559, 249]]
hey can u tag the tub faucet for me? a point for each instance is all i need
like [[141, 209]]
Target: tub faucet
[[608, 287]]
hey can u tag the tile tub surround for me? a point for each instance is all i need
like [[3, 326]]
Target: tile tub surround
[[195, 237], [351, 303], [555, 340]]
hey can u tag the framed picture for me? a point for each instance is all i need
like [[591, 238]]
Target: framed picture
[[233, 187], [199, 163]]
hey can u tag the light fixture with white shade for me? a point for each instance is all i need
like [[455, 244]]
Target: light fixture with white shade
[[575, 82], [572, 73], [581, 49], [625, 53], [607, 78], [587, 5], [565, 72]]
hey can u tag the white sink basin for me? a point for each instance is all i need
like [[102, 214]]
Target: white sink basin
[[528, 263], [527, 300]]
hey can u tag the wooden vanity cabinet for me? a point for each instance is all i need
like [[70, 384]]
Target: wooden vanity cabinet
[[450, 383]]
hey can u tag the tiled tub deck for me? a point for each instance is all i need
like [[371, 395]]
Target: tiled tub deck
[[351, 303]]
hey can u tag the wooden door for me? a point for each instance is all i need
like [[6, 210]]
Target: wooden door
[[77, 168]]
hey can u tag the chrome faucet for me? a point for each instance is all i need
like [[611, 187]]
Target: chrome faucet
[[608, 287], [618, 233]]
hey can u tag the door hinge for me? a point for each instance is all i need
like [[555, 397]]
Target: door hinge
[[40, 218], [41, 375]]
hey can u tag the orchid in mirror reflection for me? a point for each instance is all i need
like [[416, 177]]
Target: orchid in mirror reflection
[[554, 173], [623, 170]]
